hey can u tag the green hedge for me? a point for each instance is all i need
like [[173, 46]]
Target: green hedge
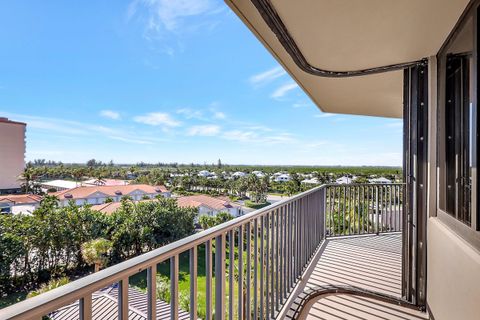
[[255, 205]]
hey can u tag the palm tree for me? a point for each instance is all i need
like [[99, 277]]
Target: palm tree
[[95, 252]]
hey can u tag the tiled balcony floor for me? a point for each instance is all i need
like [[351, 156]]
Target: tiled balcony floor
[[372, 263]]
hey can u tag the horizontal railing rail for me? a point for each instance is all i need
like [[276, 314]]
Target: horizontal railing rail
[[266, 250], [354, 209]]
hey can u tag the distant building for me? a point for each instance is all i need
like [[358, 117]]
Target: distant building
[[12, 154], [345, 180], [204, 173], [59, 185], [238, 174], [259, 174], [19, 203], [310, 181], [209, 205], [98, 194], [105, 182], [283, 178], [380, 180]]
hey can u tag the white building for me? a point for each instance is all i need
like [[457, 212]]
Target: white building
[[345, 180], [19, 203], [238, 174], [204, 173], [310, 181], [98, 194], [259, 174], [283, 178], [381, 180], [59, 185], [12, 154]]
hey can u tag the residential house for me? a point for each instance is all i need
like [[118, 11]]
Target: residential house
[[311, 181], [345, 180], [98, 194], [238, 174], [19, 203], [105, 182], [209, 205], [283, 178], [381, 180]]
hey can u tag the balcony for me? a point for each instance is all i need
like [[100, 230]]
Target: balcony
[[333, 252]]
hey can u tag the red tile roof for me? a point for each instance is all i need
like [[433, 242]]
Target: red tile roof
[[107, 208], [21, 198], [84, 192], [204, 200]]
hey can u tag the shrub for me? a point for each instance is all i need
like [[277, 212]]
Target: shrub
[[52, 284]]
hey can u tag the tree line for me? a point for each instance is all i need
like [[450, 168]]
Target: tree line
[[48, 244]]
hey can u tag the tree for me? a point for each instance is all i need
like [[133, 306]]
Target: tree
[[52, 284], [95, 252]]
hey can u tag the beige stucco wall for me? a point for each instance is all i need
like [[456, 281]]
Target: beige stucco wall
[[12, 154], [453, 283]]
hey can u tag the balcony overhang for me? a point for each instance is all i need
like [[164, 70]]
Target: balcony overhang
[[347, 55]]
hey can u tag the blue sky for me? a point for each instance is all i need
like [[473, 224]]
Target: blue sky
[[166, 81]]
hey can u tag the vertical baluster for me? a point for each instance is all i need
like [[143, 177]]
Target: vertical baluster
[[85, 305], [231, 270], [255, 269], [334, 205], [390, 220], [362, 211], [208, 280], [285, 251], [151, 292], [280, 253], [273, 268], [343, 215], [123, 299], [377, 211], [174, 287], [248, 271], [193, 283], [262, 265], [220, 277], [267, 268], [240, 272]]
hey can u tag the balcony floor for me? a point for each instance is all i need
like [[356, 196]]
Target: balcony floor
[[372, 263]]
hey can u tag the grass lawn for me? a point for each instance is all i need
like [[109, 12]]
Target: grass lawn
[[163, 271]]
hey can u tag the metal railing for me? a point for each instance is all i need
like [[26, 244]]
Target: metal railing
[[266, 250], [354, 209], [252, 263]]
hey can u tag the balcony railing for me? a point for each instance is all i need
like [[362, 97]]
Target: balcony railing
[[252, 263]]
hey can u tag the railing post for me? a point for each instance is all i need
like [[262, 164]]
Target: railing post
[[220, 277], [151, 292], [208, 281], [174, 304], [377, 212], [123, 299], [86, 307], [193, 283]]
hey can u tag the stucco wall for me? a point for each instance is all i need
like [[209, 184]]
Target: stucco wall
[[12, 154], [453, 283]]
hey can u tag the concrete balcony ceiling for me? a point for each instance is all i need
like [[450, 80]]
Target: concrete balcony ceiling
[[349, 35]]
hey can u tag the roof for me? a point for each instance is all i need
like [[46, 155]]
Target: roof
[[106, 182], [322, 43], [84, 192], [104, 306], [21, 198], [61, 184], [205, 201], [107, 208], [6, 120]]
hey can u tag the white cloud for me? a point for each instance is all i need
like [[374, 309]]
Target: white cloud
[[256, 137], [301, 104], [110, 114], [218, 115], [203, 130], [325, 115], [283, 90], [191, 114], [267, 76], [157, 119]]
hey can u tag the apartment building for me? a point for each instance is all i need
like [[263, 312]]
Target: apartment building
[[12, 154]]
